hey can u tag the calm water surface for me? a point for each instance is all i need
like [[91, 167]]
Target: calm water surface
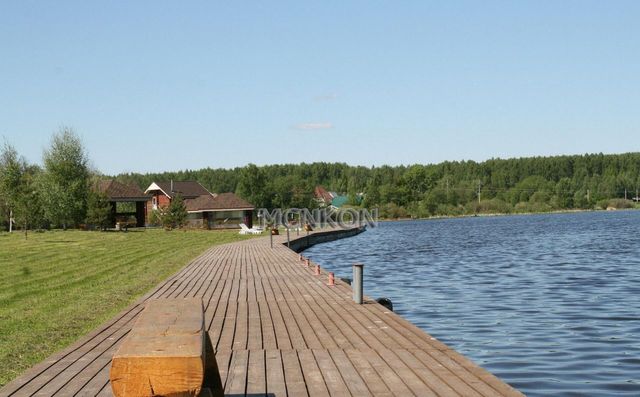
[[549, 303]]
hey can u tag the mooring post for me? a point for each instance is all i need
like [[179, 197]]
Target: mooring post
[[271, 238], [357, 282], [288, 240]]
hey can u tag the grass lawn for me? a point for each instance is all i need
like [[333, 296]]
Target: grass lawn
[[58, 285]]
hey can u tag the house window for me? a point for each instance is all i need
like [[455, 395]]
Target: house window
[[154, 202]]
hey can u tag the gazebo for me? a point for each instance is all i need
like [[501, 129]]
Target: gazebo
[[117, 192]]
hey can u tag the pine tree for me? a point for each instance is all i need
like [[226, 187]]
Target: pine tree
[[178, 212], [98, 210]]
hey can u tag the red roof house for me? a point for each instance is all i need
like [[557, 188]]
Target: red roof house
[[322, 196], [207, 210]]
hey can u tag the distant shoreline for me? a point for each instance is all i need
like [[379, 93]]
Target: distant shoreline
[[436, 217]]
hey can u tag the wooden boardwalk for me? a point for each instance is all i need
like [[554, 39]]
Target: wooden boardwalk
[[278, 330]]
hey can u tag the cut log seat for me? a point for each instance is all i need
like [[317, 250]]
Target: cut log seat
[[164, 354]]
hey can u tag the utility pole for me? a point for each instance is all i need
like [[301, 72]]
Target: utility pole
[[479, 184]]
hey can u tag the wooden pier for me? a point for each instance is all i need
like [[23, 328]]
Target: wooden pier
[[278, 330]]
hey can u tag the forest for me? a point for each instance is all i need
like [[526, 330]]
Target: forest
[[60, 193], [518, 185]]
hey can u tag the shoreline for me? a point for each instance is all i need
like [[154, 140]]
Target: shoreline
[[437, 217]]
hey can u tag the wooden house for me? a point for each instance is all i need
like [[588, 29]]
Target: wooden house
[[206, 210], [117, 192]]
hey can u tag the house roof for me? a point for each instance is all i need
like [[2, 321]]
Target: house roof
[[219, 202], [322, 194], [117, 191], [339, 201], [199, 204], [231, 201], [187, 189]]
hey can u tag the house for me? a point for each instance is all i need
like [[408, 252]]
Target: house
[[325, 198], [322, 196], [206, 210], [117, 192]]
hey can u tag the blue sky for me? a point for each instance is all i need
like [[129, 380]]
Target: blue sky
[[153, 86]]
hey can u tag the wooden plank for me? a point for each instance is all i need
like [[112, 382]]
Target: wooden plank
[[254, 337], [417, 386], [256, 375], [97, 368], [331, 374], [387, 374], [164, 352], [241, 334], [225, 339], [295, 384], [368, 374], [275, 374], [238, 370], [313, 378], [269, 341], [349, 374], [501, 387], [212, 380], [99, 385], [223, 359], [432, 380]]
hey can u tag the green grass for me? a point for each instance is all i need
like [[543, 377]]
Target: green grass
[[56, 286]]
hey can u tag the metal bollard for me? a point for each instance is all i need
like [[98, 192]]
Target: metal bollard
[[306, 262], [332, 279], [288, 240], [271, 238], [317, 272], [357, 282]]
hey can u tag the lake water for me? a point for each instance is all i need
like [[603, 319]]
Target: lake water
[[549, 303]]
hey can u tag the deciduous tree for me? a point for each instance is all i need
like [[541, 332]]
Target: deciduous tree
[[65, 183]]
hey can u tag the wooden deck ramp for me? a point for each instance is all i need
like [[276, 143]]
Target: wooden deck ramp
[[278, 330]]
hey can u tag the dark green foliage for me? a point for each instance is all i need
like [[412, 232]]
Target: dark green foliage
[[172, 216], [450, 188], [19, 196], [178, 212], [98, 210], [65, 182], [11, 171], [251, 185]]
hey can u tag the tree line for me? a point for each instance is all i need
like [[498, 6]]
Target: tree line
[[59, 192], [534, 184], [63, 192]]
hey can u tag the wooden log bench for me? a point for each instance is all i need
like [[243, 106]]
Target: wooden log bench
[[165, 353]]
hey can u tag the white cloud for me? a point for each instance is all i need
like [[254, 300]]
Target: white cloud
[[326, 97], [313, 126]]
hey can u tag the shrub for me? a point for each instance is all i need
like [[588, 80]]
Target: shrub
[[172, 216], [620, 204], [493, 206]]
